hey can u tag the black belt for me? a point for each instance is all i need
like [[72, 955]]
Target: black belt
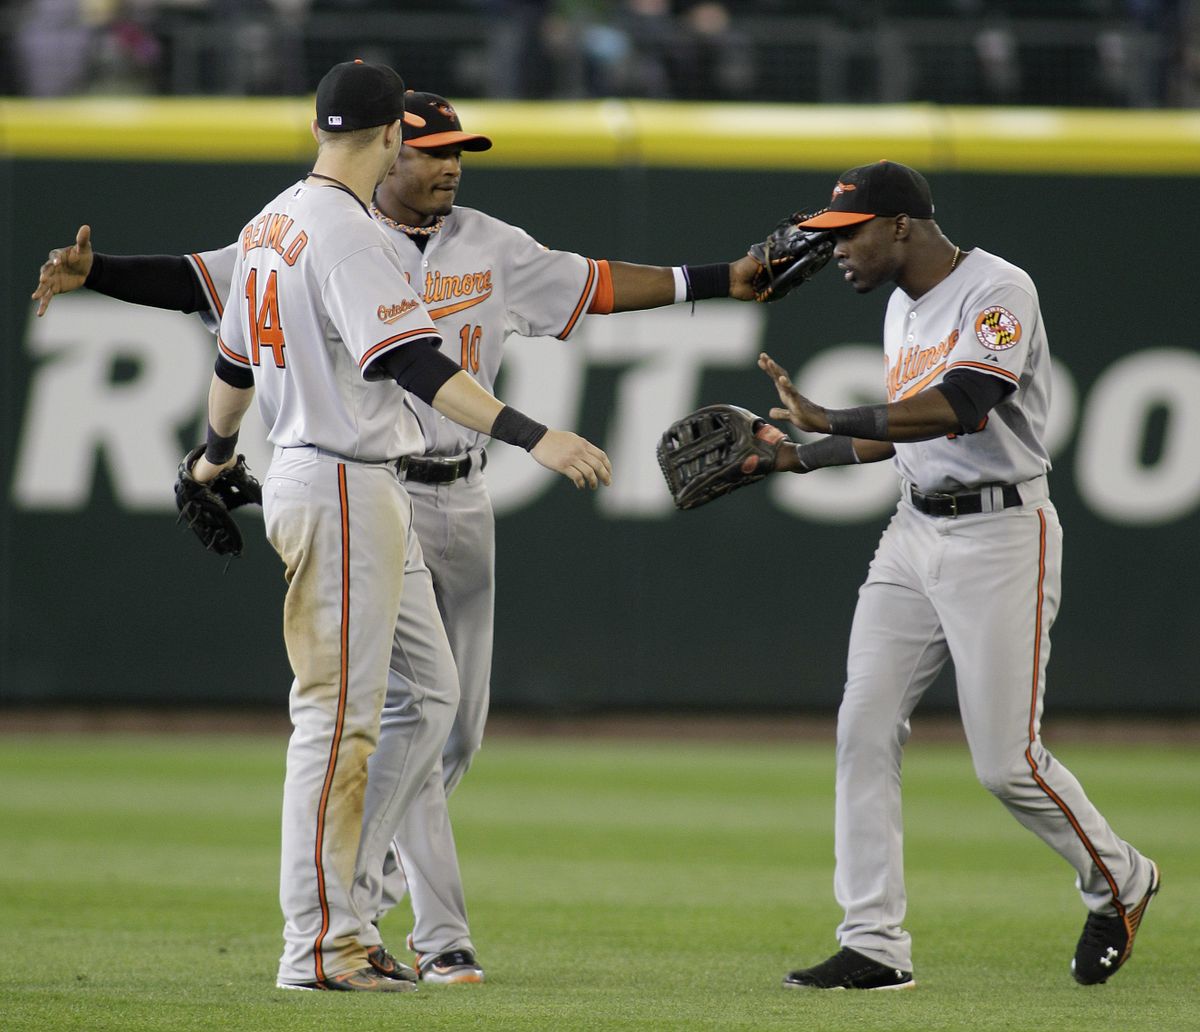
[[440, 471], [960, 504]]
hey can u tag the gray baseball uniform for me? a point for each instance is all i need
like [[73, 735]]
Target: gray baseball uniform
[[481, 280], [980, 589], [317, 294]]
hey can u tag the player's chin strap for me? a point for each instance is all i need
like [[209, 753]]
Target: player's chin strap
[[412, 231]]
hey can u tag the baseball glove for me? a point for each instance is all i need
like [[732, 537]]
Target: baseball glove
[[206, 508], [788, 257], [715, 450]]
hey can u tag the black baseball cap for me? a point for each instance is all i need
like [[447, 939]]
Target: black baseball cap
[[356, 95], [883, 188], [441, 125]]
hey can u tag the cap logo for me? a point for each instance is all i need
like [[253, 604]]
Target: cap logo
[[446, 110], [335, 119], [841, 188]]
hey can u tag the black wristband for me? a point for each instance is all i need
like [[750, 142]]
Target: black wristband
[[705, 281], [866, 421], [828, 451], [513, 427], [219, 449]]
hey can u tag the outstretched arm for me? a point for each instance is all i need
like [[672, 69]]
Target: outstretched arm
[[420, 367], [922, 417], [462, 399], [638, 287], [160, 281]]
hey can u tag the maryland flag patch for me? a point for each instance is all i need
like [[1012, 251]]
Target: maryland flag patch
[[997, 329]]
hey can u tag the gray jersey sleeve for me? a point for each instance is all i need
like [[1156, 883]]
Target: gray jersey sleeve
[[998, 325], [547, 291], [214, 271]]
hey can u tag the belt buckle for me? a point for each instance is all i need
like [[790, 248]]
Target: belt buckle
[[938, 502]]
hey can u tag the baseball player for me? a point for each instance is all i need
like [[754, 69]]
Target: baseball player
[[482, 280], [323, 326], [968, 569]]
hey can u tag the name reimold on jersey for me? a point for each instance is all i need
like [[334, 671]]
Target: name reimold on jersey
[[317, 295]]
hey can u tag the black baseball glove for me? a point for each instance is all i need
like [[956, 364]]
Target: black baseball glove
[[206, 508], [788, 257], [715, 450]]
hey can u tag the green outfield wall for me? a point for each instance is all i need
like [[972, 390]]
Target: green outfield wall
[[610, 600]]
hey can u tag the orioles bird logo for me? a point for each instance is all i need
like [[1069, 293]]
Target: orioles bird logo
[[446, 110], [842, 188]]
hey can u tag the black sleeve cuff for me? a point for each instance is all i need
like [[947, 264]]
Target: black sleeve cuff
[[241, 377], [418, 366], [973, 395]]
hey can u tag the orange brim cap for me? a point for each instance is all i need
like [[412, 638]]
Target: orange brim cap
[[835, 219], [451, 138]]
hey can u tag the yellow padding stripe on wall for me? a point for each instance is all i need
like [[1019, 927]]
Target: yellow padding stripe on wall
[[605, 133]]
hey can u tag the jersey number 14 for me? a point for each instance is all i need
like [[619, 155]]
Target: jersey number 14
[[265, 328]]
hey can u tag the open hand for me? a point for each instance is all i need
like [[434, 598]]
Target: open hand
[[575, 458], [797, 408], [65, 269]]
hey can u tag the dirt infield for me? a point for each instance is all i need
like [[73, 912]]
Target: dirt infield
[[1184, 730]]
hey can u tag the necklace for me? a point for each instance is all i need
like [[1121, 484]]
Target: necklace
[[412, 231], [339, 184], [954, 260]]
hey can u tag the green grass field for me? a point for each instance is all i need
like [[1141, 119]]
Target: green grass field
[[613, 886]]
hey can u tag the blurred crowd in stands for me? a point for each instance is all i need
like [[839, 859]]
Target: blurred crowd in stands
[[1086, 53]]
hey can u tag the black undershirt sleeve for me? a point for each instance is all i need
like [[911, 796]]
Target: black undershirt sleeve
[[973, 395], [418, 366], [161, 281], [232, 373]]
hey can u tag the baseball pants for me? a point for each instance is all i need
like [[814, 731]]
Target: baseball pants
[[982, 591], [456, 527], [359, 608]]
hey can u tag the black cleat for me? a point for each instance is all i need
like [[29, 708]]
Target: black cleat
[[849, 969], [1107, 942]]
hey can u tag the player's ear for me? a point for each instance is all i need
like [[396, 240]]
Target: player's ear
[[316, 134], [392, 132]]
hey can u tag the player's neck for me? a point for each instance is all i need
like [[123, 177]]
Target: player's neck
[[402, 215], [348, 173], [935, 264]]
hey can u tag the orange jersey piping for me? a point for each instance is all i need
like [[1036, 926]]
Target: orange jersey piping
[[602, 301], [583, 300], [233, 356], [986, 368], [1033, 767], [383, 345], [214, 299], [343, 688]]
